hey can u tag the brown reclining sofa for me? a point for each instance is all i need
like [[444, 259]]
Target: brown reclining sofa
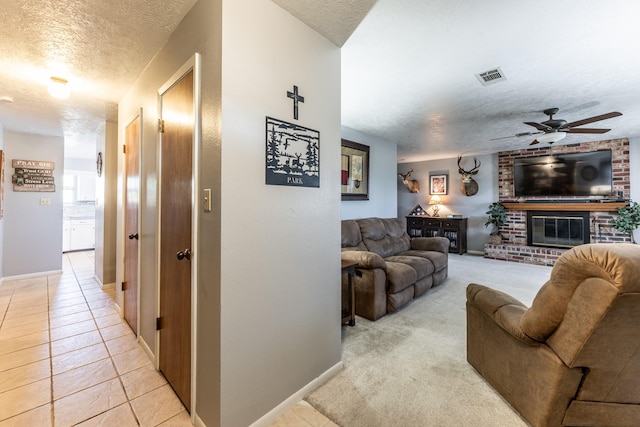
[[392, 268]]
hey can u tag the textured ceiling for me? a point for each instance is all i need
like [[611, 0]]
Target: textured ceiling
[[408, 69], [408, 72], [99, 47], [334, 19]]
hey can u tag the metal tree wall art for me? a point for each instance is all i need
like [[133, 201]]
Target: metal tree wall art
[[469, 186], [292, 154], [412, 185]]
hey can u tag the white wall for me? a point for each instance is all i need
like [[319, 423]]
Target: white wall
[[383, 196], [281, 245], [78, 164], [32, 240], [471, 207], [106, 202]]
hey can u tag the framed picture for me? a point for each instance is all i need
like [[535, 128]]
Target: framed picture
[[438, 184], [354, 179]]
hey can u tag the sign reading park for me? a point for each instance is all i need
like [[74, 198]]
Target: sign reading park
[[33, 175]]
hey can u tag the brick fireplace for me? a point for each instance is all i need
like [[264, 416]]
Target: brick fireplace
[[598, 214]]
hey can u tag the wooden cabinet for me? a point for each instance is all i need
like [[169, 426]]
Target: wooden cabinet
[[454, 229]]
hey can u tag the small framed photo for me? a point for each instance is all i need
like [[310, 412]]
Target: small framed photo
[[439, 183]]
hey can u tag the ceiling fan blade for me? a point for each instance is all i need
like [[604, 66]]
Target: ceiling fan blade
[[528, 133], [517, 135], [539, 126], [593, 119], [587, 130]]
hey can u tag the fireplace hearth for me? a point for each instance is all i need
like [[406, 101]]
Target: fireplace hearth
[[557, 229]]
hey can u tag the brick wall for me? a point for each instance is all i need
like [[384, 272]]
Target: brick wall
[[515, 232]]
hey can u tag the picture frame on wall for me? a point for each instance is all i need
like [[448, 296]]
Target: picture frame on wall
[[354, 180], [439, 183]]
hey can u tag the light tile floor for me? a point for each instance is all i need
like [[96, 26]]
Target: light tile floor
[[67, 359]]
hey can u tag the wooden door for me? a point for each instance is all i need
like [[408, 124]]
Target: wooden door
[[175, 235], [131, 201]]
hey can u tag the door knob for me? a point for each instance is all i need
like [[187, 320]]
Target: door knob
[[133, 236], [184, 254]]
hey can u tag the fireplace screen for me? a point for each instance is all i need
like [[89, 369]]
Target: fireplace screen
[[564, 231]]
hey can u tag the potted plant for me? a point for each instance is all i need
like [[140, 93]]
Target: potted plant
[[497, 216], [628, 219]]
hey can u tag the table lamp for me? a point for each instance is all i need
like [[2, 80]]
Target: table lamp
[[435, 201]]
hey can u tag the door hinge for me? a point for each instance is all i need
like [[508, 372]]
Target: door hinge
[[160, 125], [124, 286], [158, 323], [124, 149]]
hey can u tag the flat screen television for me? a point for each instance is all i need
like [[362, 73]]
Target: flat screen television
[[571, 174]]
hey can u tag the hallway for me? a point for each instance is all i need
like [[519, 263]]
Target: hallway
[[67, 358]]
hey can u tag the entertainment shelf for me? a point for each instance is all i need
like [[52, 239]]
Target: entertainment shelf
[[454, 229], [566, 206]]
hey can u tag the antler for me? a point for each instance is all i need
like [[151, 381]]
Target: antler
[[473, 171]]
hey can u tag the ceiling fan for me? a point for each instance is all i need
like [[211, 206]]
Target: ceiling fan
[[553, 130]]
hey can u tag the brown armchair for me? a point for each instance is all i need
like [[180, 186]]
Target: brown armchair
[[573, 357]]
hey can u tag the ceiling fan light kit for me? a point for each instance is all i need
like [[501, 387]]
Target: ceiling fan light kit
[[550, 138], [553, 130]]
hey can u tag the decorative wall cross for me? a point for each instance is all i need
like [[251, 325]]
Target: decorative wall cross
[[296, 98]]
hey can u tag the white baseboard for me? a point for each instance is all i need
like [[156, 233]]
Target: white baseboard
[[198, 422], [476, 252], [102, 285], [147, 350], [30, 275], [108, 286], [272, 415], [118, 310]]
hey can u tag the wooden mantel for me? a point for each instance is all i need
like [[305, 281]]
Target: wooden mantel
[[564, 206]]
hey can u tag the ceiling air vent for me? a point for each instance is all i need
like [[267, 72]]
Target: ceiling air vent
[[491, 77]]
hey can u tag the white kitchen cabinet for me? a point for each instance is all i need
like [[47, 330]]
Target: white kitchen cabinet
[[81, 234], [86, 188], [66, 236]]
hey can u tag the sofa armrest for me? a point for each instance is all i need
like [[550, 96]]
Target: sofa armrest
[[439, 244], [502, 308], [365, 259]]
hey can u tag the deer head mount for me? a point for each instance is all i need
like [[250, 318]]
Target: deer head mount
[[412, 185], [469, 186]]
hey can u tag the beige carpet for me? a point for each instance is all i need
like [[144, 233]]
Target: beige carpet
[[409, 368]]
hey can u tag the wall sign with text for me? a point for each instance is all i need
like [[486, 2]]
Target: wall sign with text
[[33, 176]]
